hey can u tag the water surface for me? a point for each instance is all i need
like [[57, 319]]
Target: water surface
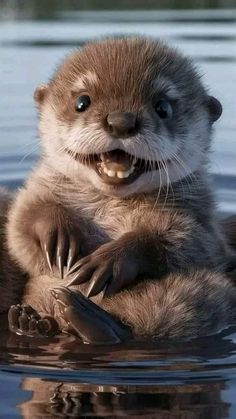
[[64, 378]]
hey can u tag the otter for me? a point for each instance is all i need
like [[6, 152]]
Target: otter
[[120, 205]]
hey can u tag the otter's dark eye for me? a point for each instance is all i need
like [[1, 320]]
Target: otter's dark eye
[[164, 109], [82, 103]]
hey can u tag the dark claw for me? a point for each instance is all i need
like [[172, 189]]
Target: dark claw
[[59, 263], [93, 324], [48, 258], [99, 280], [69, 260], [79, 264], [49, 247], [83, 275], [58, 250], [73, 254]]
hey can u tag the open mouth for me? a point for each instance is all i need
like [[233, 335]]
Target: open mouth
[[116, 167]]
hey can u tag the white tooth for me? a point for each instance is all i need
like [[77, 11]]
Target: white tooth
[[111, 173], [126, 174], [122, 175]]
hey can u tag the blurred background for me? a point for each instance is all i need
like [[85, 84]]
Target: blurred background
[[36, 34]]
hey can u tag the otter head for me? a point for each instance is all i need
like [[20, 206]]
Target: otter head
[[126, 115]]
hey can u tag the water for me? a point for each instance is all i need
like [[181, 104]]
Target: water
[[196, 380], [64, 378]]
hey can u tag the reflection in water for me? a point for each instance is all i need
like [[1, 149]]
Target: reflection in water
[[63, 378], [54, 399]]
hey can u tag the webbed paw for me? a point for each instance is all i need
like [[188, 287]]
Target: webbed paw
[[90, 322], [24, 320]]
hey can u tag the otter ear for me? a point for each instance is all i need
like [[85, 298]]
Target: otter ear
[[40, 93], [214, 108]]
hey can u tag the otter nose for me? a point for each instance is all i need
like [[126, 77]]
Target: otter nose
[[121, 124]]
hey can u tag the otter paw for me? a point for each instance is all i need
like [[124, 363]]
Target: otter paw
[[59, 239], [61, 250], [112, 267], [90, 322], [24, 320]]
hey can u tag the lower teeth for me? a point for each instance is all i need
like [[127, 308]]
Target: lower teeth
[[110, 173], [119, 174], [122, 175]]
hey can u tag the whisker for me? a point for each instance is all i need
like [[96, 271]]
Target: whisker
[[159, 189], [34, 148]]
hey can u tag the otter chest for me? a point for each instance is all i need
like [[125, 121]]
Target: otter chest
[[109, 218]]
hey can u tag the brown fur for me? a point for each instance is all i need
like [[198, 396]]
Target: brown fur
[[170, 232], [178, 306], [183, 306], [12, 279]]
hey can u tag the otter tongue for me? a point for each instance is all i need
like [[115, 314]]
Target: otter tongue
[[117, 160]]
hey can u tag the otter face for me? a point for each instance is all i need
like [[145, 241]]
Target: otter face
[[126, 115]]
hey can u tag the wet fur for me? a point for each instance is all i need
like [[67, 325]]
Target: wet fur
[[172, 227], [180, 306]]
